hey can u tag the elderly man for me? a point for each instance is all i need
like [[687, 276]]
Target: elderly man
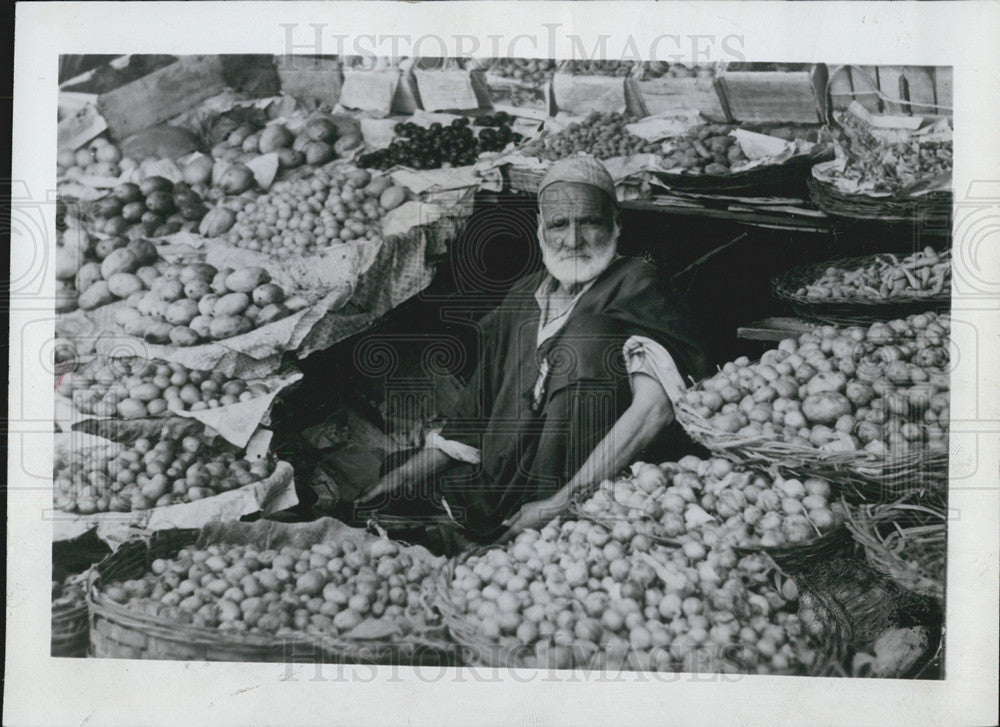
[[578, 368]]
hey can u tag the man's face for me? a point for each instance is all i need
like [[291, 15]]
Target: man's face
[[577, 232]]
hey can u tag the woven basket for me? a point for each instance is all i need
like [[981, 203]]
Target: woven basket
[[475, 650], [907, 541], [860, 475], [70, 630], [787, 179], [118, 632], [882, 208], [846, 604], [850, 310]]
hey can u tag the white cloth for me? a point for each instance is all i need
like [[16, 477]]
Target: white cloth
[[642, 356]]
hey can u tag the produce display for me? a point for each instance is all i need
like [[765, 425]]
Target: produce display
[[578, 594], [706, 149], [658, 69], [601, 135], [182, 304], [749, 509], [154, 207], [328, 587], [143, 474], [100, 158], [598, 68], [135, 388], [308, 215], [880, 165], [320, 140], [924, 273], [530, 70], [883, 390], [438, 145]]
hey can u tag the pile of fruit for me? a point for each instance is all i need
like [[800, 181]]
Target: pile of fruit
[[705, 149], [100, 158], [328, 588], [529, 70], [879, 165], [741, 508], [883, 390], [437, 145], [143, 474], [658, 69], [598, 68], [601, 135], [319, 141], [578, 593], [153, 208], [308, 215], [924, 273], [135, 388], [181, 304]]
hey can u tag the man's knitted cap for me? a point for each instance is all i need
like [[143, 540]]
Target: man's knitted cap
[[582, 170]]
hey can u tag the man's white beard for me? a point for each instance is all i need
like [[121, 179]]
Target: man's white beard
[[570, 269]]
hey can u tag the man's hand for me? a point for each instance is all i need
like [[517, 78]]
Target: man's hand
[[420, 467], [531, 516]]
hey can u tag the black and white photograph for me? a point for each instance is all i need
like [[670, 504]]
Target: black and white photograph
[[666, 365]]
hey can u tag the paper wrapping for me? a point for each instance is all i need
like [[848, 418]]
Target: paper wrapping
[[272, 494]]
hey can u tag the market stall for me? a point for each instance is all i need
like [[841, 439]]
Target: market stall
[[269, 283]]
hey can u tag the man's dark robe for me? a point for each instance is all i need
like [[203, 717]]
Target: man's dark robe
[[530, 449]]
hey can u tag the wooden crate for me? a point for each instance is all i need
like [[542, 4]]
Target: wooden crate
[[317, 77], [666, 94], [161, 95], [452, 90], [578, 95], [774, 96], [895, 90]]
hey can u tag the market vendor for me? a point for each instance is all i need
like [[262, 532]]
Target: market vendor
[[577, 373]]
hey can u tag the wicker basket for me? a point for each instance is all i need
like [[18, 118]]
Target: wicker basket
[[846, 604], [118, 632], [861, 475], [850, 310], [70, 630], [787, 179], [881, 208]]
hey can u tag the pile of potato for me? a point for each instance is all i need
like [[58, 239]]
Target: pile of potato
[[926, 272], [579, 594], [883, 389], [328, 588], [601, 135], [303, 216], [143, 474], [135, 388], [741, 508]]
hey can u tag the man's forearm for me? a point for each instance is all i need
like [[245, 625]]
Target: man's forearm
[[425, 463], [627, 438]]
